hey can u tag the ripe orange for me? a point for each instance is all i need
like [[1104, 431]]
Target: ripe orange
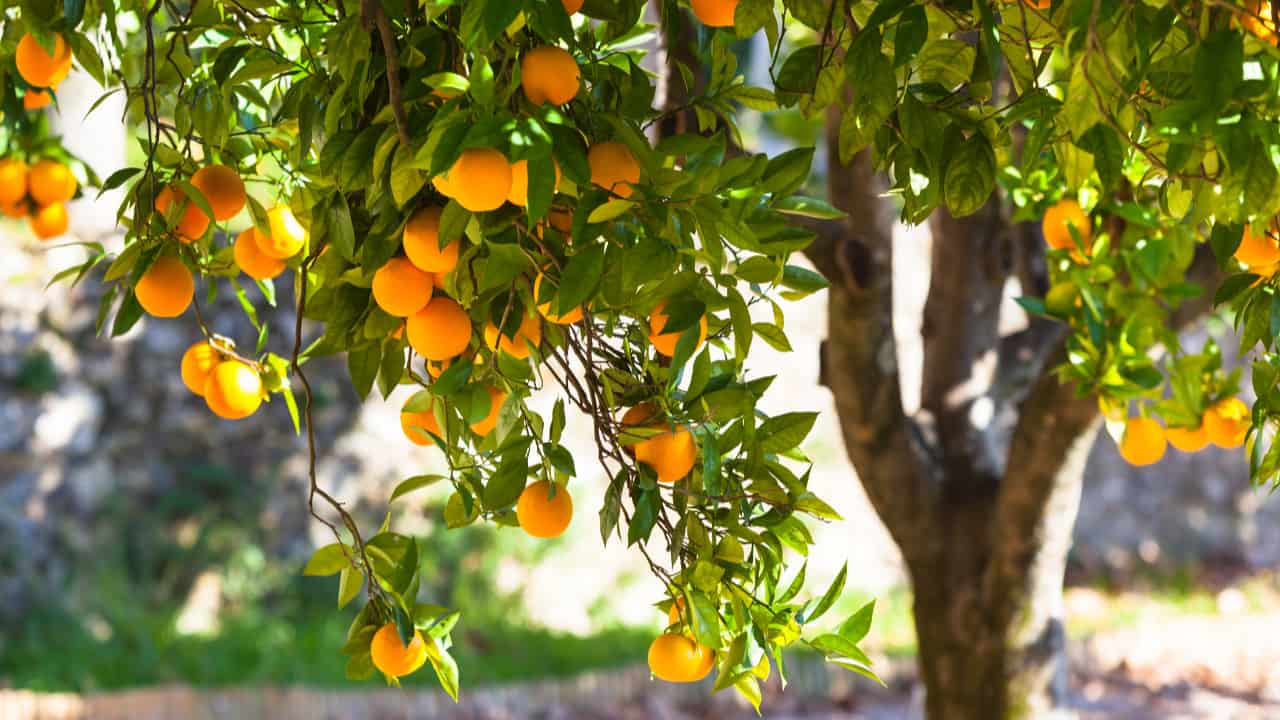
[[436, 368], [1143, 442], [416, 425], [671, 454], [192, 223], [530, 332], [480, 179], [665, 343], [233, 390], [442, 184], [568, 318], [714, 13], [439, 331], [287, 234], [49, 221], [250, 259], [16, 210], [1058, 218], [166, 288], [542, 515], [422, 242], [549, 74], [1188, 440], [613, 167], [49, 182], [572, 6], [197, 362], [392, 657], [519, 194], [1258, 249], [401, 289], [1227, 423], [36, 99], [222, 188], [1258, 20], [13, 181], [676, 658], [37, 66], [490, 421]]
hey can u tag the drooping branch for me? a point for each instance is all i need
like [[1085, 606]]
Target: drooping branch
[[372, 14]]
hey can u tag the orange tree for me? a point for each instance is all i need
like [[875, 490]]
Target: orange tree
[[467, 202]]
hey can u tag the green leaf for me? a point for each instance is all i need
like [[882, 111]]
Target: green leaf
[[970, 176], [507, 482], [580, 278], [856, 627], [363, 363], [328, 560], [808, 207], [946, 61], [349, 585], [781, 433], [417, 482], [829, 597], [773, 335], [442, 662]]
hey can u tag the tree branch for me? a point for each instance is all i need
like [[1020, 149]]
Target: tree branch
[[371, 14]]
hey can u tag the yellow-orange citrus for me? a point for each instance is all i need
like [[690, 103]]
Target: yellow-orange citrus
[[436, 368], [549, 74], [568, 318], [613, 167], [40, 68], [166, 288], [36, 99], [519, 194], [1065, 214], [1227, 422], [1258, 249], [222, 188], [1258, 20], [439, 331], [480, 179], [192, 223], [49, 182], [542, 515], [251, 260], [670, 453], [391, 656], [572, 6], [676, 658], [197, 362], [714, 13], [49, 221], [416, 425], [287, 236], [1188, 440], [486, 425], [16, 210], [400, 288], [665, 343], [233, 390], [422, 242], [442, 184], [530, 332], [1143, 442], [13, 181]]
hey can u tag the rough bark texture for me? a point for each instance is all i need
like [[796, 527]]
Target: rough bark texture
[[980, 488]]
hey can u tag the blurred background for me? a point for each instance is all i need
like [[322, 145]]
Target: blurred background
[[150, 554]]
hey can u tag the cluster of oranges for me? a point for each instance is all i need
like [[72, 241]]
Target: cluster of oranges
[[38, 192], [41, 69], [1224, 424], [231, 387]]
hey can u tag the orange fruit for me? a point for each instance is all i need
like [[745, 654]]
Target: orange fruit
[[542, 515], [530, 332], [714, 13], [676, 658], [1188, 440], [436, 368], [485, 426], [1143, 442], [49, 221], [442, 184], [671, 454], [1058, 218], [637, 416], [400, 288], [40, 68], [1227, 423], [287, 234], [480, 179], [36, 99], [197, 362], [392, 657], [13, 181], [439, 331], [665, 343], [1258, 20], [166, 288], [549, 74], [192, 223], [568, 318], [15, 211], [416, 425], [519, 194], [233, 390], [422, 242], [49, 182], [613, 167], [251, 260], [1258, 249], [222, 188], [572, 6]]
